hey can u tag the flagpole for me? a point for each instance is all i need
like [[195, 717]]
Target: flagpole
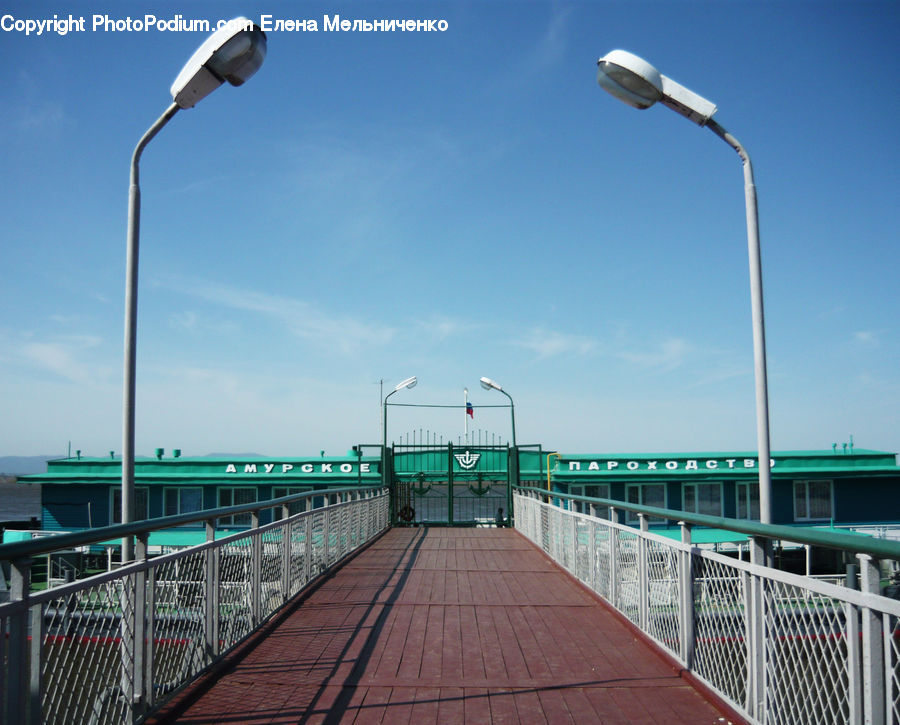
[[466, 414]]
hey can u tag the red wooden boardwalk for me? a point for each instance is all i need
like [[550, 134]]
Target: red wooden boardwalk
[[447, 625]]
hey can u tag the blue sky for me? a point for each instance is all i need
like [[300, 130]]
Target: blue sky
[[449, 205]]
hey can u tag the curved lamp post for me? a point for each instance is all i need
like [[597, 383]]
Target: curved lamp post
[[489, 384], [408, 383], [233, 53], [634, 81]]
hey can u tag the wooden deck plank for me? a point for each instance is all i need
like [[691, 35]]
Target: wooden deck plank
[[503, 706], [451, 644], [477, 705], [451, 707], [471, 652], [447, 625], [400, 706], [553, 706], [427, 706]]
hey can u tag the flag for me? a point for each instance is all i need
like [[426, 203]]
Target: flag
[[470, 410]]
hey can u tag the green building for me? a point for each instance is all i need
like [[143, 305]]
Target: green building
[[471, 485]]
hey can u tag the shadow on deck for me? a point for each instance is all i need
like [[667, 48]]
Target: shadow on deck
[[445, 625]]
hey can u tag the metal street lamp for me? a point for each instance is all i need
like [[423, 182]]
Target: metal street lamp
[[233, 53], [408, 383], [634, 81], [489, 384], [385, 479]]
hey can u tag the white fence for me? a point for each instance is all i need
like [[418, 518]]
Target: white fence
[[778, 647], [113, 647]]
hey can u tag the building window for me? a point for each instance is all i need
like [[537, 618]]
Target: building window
[[598, 490], [141, 506], [813, 500], [293, 508], [702, 498], [647, 494], [236, 497], [748, 501], [182, 500]]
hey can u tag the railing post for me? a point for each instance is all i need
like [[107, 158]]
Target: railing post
[[211, 600], [686, 581], [285, 557], [326, 544], [138, 632], [760, 555], [255, 567], [128, 688], [614, 557], [854, 664], [644, 573], [574, 549], [23, 691], [17, 655], [307, 542], [35, 688], [873, 644], [149, 650]]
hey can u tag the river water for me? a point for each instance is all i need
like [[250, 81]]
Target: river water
[[19, 501]]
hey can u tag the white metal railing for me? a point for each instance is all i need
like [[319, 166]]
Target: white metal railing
[[777, 647], [113, 647]]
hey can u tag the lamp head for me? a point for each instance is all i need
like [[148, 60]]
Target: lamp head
[[408, 383], [489, 384], [629, 78], [233, 53], [634, 81]]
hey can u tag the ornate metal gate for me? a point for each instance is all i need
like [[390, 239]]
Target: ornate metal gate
[[451, 485]]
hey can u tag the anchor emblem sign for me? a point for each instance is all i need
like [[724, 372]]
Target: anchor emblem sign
[[481, 489], [468, 460]]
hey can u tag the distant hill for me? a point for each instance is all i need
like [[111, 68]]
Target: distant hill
[[20, 465]]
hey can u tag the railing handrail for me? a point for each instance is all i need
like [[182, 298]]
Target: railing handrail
[[47, 544], [832, 539]]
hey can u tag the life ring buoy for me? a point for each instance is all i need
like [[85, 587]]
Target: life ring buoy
[[407, 513]]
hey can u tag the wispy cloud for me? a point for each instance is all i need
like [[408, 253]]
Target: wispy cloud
[[63, 357], [551, 48], [442, 328], [548, 343], [867, 337], [64, 319], [184, 320], [298, 317], [195, 323], [667, 355], [33, 111]]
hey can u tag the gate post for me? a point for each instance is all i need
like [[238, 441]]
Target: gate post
[[512, 479], [450, 478], [387, 480], [450, 484]]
